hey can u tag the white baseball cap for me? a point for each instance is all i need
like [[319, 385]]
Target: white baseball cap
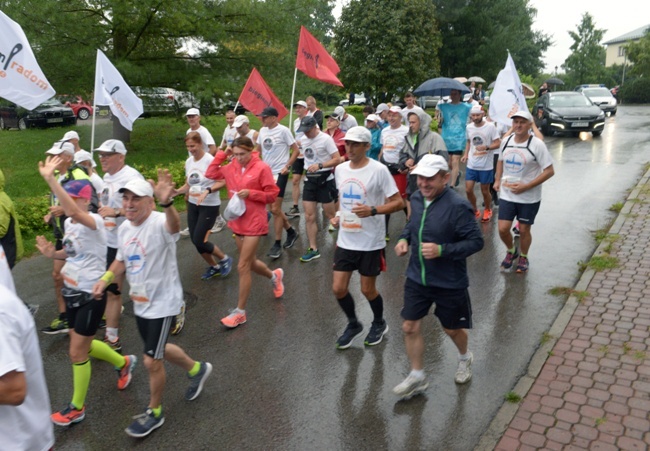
[[112, 146], [373, 118], [60, 147], [476, 109], [381, 108], [339, 111], [139, 187], [358, 134], [395, 109], [70, 135], [429, 165], [301, 103], [240, 120], [523, 114], [82, 156], [193, 112]]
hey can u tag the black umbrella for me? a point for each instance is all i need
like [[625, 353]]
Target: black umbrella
[[440, 86], [554, 81]]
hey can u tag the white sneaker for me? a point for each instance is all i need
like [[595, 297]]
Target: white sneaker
[[219, 225], [410, 386], [464, 371], [185, 231]]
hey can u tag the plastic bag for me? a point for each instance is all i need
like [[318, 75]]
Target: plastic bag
[[235, 208]]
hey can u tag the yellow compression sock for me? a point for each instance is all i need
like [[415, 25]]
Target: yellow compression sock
[[102, 351], [195, 369], [80, 380]]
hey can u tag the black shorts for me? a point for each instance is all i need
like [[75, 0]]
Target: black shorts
[[298, 166], [58, 245], [525, 213], [314, 192], [85, 320], [455, 152], [282, 184], [154, 333], [453, 306], [111, 253], [368, 263]]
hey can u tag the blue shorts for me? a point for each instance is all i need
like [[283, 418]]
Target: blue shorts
[[483, 177], [525, 213], [453, 306]]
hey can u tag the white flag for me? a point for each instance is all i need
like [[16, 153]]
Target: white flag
[[508, 96], [111, 89], [21, 80]]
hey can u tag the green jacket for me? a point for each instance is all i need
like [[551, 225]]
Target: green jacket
[[11, 240]]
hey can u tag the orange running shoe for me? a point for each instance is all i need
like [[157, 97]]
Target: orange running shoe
[[69, 415], [234, 319], [487, 215], [278, 286], [477, 214], [124, 374]]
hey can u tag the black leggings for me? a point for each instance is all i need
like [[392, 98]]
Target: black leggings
[[200, 220]]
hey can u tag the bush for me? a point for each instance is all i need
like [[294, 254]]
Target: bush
[[637, 91], [176, 169], [30, 214], [355, 110]]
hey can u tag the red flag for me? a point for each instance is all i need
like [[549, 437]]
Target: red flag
[[257, 95], [314, 61]]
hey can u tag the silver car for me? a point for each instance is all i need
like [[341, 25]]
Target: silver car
[[601, 97]]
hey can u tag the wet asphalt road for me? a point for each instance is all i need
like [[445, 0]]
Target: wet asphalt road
[[279, 382]]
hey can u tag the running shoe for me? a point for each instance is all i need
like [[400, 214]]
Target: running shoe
[[292, 236], [477, 214], [352, 331], [278, 285], [234, 319], [185, 231], [225, 266], [144, 424], [487, 215], [522, 265], [460, 174], [387, 238], [69, 415], [311, 254], [212, 271], [33, 308], [376, 334], [276, 251], [179, 321], [331, 228], [510, 258], [197, 381], [219, 225], [115, 345], [124, 374], [293, 212], [57, 326], [410, 386], [464, 371]]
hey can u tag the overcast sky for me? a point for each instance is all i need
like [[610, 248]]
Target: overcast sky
[[556, 17]]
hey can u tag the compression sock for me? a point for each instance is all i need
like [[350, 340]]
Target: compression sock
[[377, 306], [513, 250], [157, 411], [102, 351], [195, 369], [347, 305], [80, 380]]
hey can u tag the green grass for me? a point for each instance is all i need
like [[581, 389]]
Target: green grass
[[512, 397], [602, 262], [617, 207], [566, 292]]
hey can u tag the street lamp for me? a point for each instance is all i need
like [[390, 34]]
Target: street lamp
[[556, 71]]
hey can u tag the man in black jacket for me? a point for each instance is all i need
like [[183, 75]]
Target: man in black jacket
[[442, 233]]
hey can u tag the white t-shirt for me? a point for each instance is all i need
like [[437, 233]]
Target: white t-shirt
[[520, 165], [111, 197], [27, 426], [229, 135], [406, 111], [97, 181], [275, 143], [6, 279], [299, 135], [392, 141], [369, 185], [481, 160], [347, 123], [86, 250], [206, 137], [149, 253], [195, 173], [320, 149]]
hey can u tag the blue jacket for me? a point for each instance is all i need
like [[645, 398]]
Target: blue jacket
[[449, 221], [375, 145]]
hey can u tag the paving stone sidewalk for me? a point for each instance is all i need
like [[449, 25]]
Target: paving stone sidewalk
[[589, 387]]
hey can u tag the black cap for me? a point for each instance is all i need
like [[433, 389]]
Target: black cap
[[268, 111], [334, 115], [307, 124]]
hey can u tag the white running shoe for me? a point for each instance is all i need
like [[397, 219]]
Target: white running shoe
[[219, 225], [185, 231], [464, 371], [410, 386]]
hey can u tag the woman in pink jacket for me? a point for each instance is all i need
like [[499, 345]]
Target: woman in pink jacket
[[250, 179]]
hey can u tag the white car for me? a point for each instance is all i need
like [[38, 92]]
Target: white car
[[601, 97]]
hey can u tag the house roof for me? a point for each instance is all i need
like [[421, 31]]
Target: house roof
[[632, 35]]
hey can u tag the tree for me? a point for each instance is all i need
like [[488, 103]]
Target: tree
[[386, 46], [476, 37], [639, 54], [586, 63]]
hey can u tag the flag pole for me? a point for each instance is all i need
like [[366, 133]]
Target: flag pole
[[293, 92], [92, 129]]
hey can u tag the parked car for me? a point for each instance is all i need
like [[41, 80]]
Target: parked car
[[82, 109], [428, 101], [48, 114], [359, 99], [157, 100], [602, 97], [569, 111]]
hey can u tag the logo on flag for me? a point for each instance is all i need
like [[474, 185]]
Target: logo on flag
[[112, 90], [21, 79], [508, 95], [257, 95], [314, 61]]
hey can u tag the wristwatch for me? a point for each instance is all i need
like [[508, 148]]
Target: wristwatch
[[209, 190], [320, 165], [373, 211]]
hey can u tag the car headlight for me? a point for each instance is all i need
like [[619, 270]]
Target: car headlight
[[601, 115], [554, 116]]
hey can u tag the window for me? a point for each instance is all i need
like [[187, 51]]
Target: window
[[621, 51]]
